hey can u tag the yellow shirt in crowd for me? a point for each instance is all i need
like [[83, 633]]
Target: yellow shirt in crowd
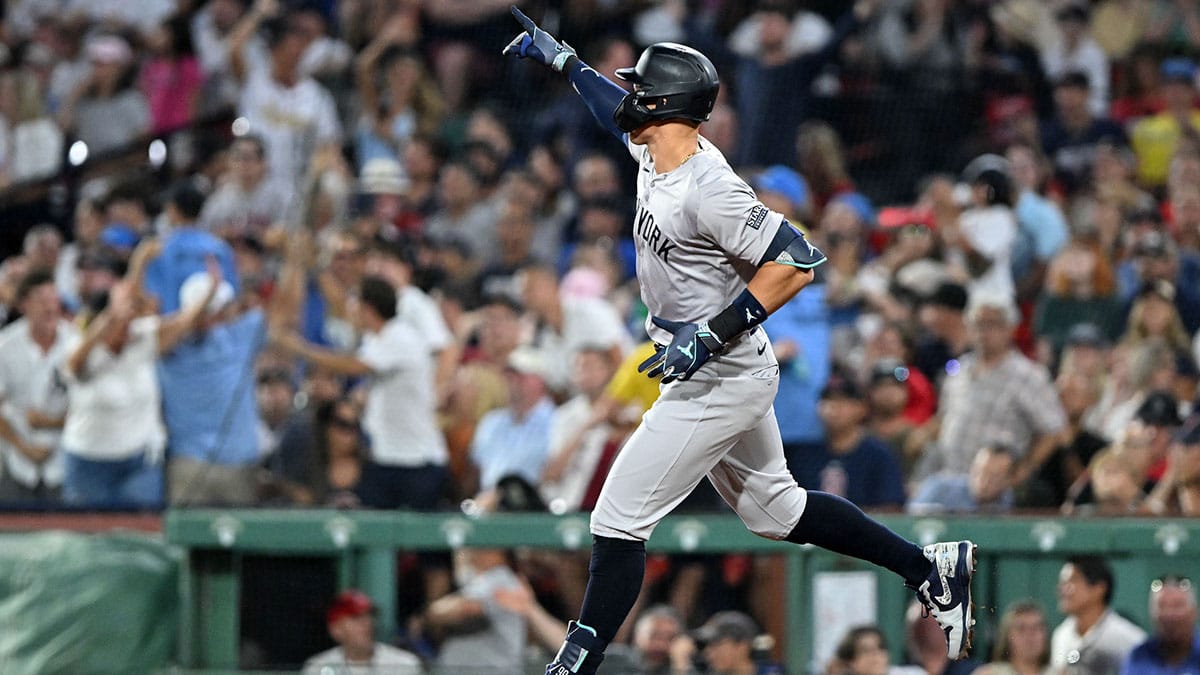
[[1154, 140]]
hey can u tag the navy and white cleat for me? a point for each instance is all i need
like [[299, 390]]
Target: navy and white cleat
[[946, 593]]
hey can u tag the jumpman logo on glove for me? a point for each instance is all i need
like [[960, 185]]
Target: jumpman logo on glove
[[692, 345]]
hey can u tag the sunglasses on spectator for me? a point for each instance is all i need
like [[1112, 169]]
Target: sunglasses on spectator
[[1160, 583], [343, 423]]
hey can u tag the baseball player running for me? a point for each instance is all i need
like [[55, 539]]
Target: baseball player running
[[713, 263]]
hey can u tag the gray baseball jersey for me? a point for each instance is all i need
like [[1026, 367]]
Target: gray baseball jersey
[[700, 233]]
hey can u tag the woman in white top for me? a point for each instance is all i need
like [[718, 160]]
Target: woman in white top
[[113, 435]]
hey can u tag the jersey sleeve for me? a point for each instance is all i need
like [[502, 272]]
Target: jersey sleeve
[[730, 215]]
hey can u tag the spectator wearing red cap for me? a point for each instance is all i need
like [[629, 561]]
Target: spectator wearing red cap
[[351, 621]]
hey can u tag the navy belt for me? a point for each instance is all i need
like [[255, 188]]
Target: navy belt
[[658, 346]]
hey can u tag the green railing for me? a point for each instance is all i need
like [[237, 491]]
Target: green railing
[[1020, 557]]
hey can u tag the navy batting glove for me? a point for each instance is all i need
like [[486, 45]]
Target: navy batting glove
[[537, 44], [692, 345]]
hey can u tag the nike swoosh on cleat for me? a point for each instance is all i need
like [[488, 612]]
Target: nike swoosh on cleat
[[945, 598]]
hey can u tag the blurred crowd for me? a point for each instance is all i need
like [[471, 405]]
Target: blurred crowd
[[401, 274], [341, 253], [513, 629]]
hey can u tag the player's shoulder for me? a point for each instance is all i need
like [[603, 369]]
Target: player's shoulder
[[715, 178]]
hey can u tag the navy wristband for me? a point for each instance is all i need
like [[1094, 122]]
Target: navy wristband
[[744, 313]]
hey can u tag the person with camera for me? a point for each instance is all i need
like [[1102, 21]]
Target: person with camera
[[727, 643]]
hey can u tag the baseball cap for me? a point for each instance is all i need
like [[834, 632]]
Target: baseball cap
[[785, 182], [900, 216], [1154, 244], [528, 361], [196, 286], [1074, 78], [1086, 334], [349, 604], [1144, 214], [109, 49], [841, 385], [1159, 410], [889, 370], [1178, 69], [949, 295], [1163, 289], [860, 204], [382, 176], [727, 625], [119, 236], [982, 167], [1075, 11]]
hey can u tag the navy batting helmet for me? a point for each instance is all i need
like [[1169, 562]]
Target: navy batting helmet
[[670, 81]]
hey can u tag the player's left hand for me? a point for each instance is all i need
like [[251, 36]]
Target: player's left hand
[[537, 44], [692, 345]]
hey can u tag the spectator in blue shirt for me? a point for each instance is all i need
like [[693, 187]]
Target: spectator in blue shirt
[[985, 488], [1174, 648], [208, 401], [850, 463], [1043, 229], [185, 249], [799, 332], [515, 440]]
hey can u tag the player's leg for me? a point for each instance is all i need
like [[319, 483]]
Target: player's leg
[[753, 478], [680, 439]]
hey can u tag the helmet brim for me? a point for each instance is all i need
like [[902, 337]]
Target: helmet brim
[[630, 75]]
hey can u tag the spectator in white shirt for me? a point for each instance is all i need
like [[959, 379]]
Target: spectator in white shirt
[[211, 26], [351, 622], [989, 227], [1077, 50], [578, 433], [563, 328], [113, 436], [408, 467], [32, 395], [294, 115], [30, 143], [395, 261], [105, 111], [247, 202], [88, 224], [1092, 639]]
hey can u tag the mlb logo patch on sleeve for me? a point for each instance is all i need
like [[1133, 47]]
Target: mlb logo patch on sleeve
[[758, 215]]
